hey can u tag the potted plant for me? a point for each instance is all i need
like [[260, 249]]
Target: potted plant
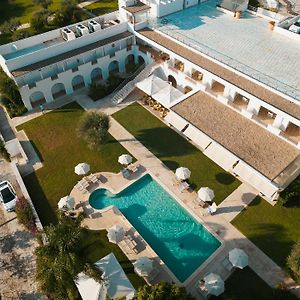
[[271, 25]]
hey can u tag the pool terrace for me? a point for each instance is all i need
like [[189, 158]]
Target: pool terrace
[[245, 44]]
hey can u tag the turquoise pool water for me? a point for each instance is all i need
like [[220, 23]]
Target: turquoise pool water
[[179, 240], [24, 51]]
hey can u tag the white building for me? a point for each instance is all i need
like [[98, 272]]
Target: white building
[[252, 72]]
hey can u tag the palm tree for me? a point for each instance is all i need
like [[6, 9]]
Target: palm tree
[[59, 260]]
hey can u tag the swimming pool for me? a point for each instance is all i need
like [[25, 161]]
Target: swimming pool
[[181, 242], [24, 51]]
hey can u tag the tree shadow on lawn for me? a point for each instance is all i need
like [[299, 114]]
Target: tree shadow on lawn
[[164, 142], [39, 199], [225, 178]]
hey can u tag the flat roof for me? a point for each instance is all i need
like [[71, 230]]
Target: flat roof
[[69, 54], [245, 44], [226, 74], [259, 148], [137, 8]]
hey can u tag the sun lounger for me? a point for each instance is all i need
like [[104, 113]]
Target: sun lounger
[[227, 264], [183, 186], [93, 178], [152, 275], [125, 173], [133, 168]]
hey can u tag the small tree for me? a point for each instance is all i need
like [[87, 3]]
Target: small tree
[[292, 192], [163, 291], [3, 151], [10, 26], [43, 3], [39, 20], [93, 127], [25, 214], [68, 13], [293, 261]]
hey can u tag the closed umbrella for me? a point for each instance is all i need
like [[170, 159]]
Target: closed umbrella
[[116, 234], [206, 194], [67, 202], [182, 173], [238, 258], [214, 284], [82, 169], [125, 159], [143, 266]]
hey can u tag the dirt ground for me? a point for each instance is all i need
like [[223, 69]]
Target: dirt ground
[[17, 261]]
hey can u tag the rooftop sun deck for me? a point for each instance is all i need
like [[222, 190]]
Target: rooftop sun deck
[[245, 44]]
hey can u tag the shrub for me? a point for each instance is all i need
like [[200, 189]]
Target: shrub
[[25, 214], [3, 151], [293, 261], [93, 127], [291, 193], [98, 91], [163, 291], [12, 109]]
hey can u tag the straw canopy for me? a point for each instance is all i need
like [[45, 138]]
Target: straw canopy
[[182, 173], [115, 234], [67, 202], [125, 159], [82, 169], [214, 284], [143, 266], [238, 258], [206, 194]]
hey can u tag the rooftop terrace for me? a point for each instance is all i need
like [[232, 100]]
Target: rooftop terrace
[[245, 84], [245, 44], [256, 146]]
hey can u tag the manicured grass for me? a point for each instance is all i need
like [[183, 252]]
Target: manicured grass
[[102, 7], [273, 229], [21, 9], [174, 151], [247, 285], [97, 246], [55, 138]]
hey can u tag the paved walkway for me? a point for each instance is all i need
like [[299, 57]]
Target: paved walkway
[[5, 127]]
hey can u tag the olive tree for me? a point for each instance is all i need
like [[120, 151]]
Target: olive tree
[[93, 127], [293, 261]]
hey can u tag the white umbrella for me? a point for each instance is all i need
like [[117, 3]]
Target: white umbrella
[[182, 173], [238, 258], [214, 284], [67, 202], [125, 159], [151, 85], [167, 95], [116, 234], [206, 194], [82, 169], [143, 266]]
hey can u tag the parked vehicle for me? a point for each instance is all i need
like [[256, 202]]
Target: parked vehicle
[[8, 196], [295, 27]]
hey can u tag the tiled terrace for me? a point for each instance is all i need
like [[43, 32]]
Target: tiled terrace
[[245, 44], [264, 151]]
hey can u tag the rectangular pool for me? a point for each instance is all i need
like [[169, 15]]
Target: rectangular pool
[[24, 51], [178, 239]]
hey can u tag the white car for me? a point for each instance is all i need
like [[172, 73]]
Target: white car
[[8, 196], [295, 27]]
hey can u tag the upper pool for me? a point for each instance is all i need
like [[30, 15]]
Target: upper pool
[[24, 51], [178, 239]]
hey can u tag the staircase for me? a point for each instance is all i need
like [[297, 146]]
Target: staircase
[[129, 87]]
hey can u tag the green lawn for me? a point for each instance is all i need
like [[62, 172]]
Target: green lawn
[[247, 285], [97, 246], [55, 138], [102, 7], [22, 9], [174, 151], [273, 229]]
